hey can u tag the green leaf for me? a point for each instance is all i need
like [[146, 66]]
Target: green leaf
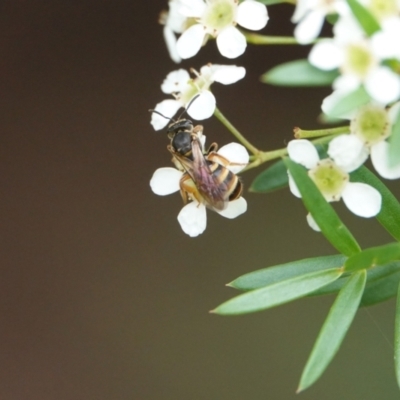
[[278, 293], [348, 103], [334, 329], [322, 212], [268, 276], [389, 216], [367, 21], [273, 178], [298, 73], [381, 289], [394, 140], [397, 339], [375, 278], [373, 256]]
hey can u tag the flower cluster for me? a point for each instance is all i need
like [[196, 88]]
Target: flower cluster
[[195, 92], [193, 217], [198, 20]]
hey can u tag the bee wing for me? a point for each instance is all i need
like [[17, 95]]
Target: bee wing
[[209, 186]]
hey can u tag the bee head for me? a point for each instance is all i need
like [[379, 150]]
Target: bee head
[[181, 125]]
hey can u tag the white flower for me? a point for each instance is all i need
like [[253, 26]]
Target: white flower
[[174, 23], [358, 61], [193, 217], [184, 89], [333, 181], [218, 19], [386, 43], [369, 128], [310, 15]]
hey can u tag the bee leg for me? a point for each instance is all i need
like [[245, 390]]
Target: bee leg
[[215, 157], [189, 190], [197, 129], [212, 149]]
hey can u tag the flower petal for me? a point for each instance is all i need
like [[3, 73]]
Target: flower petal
[[170, 41], [252, 15], [326, 55], [190, 42], [312, 224], [192, 8], [303, 152], [348, 152], [362, 199], [234, 208], [168, 108], [309, 27], [203, 106], [231, 42], [293, 187], [193, 219], [176, 81], [383, 85], [236, 154], [380, 161], [225, 74], [165, 181]]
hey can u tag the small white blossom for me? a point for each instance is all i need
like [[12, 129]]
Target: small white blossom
[[369, 128], [179, 84], [310, 15], [193, 217], [333, 181], [218, 19], [174, 23], [359, 62]]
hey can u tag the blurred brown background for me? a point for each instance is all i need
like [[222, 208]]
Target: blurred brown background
[[102, 296]]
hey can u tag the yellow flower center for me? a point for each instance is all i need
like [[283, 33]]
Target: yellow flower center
[[219, 14], [358, 60], [371, 124], [329, 178]]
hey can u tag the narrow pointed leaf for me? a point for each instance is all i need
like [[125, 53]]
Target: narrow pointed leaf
[[381, 290], [373, 256], [298, 73], [268, 276], [273, 178], [323, 213], [349, 102], [376, 278], [394, 148], [397, 339], [334, 329], [367, 21], [389, 216], [278, 293]]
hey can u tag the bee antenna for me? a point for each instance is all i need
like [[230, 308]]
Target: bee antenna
[[190, 103], [157, 112]]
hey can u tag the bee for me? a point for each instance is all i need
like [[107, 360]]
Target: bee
[[206, 177]]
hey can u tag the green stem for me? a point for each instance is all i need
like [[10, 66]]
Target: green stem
[[255, 38], [303, 134], [264, 156], [235, 132]]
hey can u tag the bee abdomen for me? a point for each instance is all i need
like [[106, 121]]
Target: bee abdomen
[[234, 186]]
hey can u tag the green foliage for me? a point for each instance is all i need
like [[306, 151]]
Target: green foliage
[[268, 276], [349, 102], [397, 338], [389, 216], [278, 293], [394, 140], [275, 177], [372, 257], [334, 329], [298, 73], [322, 212], [367, 21]]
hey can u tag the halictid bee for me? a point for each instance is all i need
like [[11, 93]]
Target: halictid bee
[[206, 177]]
